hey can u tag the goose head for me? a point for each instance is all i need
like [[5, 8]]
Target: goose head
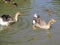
[[52, 21], [18, 14]]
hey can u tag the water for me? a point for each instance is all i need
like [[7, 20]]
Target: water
[[21, 33]]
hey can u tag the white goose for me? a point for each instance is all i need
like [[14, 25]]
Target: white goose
[[38, 22], [5, 21]]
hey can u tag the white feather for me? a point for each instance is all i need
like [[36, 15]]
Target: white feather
[[35, 15], [3, 23]]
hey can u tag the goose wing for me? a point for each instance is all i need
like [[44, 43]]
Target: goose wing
[[6, 17], [41, 22]]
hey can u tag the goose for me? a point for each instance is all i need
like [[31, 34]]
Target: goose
[[7, 1], [40, 23], [14, 4], [6, 20]]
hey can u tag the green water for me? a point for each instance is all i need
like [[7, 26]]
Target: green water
[[21, 33]]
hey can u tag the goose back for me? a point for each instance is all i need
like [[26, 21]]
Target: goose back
[[6, 17]]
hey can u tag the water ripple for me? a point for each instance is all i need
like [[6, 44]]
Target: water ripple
[[24, 24]]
